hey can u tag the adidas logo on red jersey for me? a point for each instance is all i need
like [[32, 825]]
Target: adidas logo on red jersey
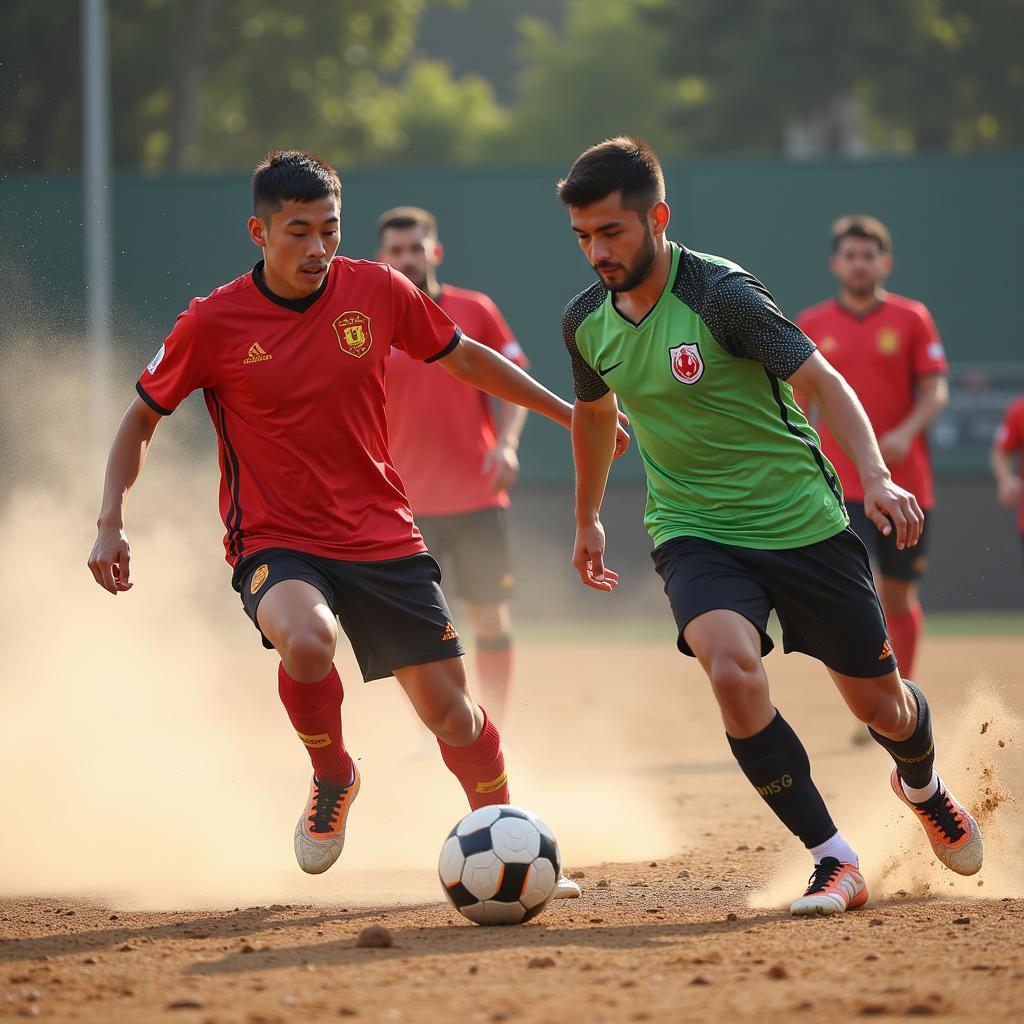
[[257, 354]]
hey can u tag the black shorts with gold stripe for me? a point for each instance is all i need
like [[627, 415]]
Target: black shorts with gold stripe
[[392, 611]]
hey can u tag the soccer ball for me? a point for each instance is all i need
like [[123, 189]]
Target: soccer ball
[[499, 865]]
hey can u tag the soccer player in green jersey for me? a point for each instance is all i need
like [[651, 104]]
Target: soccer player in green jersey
[[745, 511]]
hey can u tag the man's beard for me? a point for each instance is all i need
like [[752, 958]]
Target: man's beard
[[861, 288], [641, 267]]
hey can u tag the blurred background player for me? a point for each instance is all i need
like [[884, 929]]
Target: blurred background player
[[1009, 442], [455, 449], [889, 351]]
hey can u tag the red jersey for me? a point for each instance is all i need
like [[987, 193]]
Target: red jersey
[[882, 354], [295, 390], [441, 428], [1010, 439]]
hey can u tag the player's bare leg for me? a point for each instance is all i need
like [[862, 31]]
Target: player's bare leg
[[469, 741], [295, 617], [897, 715], [904, 616], [492, 628], [772, 757]]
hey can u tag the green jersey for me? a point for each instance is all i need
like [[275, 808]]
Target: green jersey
[[729, 456]]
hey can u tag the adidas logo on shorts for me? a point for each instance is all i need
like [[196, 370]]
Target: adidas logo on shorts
[[450, 633]]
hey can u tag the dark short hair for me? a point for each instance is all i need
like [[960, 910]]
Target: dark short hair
[[407, 217], [860, 225], [292, 174], [623, 164]]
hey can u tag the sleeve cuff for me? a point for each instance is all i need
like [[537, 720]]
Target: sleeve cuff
[[456, 338], [150, 401]]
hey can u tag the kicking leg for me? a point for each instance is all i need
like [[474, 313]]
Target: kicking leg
[[772, 757], [469, 741], [899, 720]]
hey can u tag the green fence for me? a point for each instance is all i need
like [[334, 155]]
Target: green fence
[[956, 223]]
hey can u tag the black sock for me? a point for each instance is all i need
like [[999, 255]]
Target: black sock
[[914, 757], [775, 762]]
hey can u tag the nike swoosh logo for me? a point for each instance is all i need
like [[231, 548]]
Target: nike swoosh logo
[[608, 369]]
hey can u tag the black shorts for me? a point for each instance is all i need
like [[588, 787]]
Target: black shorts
[[393, 611], [823, 594], [475, 546], [907, 565]]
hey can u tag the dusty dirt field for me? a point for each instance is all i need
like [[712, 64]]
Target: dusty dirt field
[[615, 743]]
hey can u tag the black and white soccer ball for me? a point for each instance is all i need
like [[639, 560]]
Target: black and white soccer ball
[[500, 865]]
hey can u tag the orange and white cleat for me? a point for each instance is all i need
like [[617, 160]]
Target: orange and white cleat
[[833, 888], [320, 833], [954, 835]]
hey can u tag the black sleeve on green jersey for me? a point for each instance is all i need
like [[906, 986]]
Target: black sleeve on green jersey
[[741, 314], [587, 383]]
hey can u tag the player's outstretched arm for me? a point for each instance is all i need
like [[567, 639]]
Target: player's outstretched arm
[[593, 448], [886, 505], [110, 555], [490, 371]]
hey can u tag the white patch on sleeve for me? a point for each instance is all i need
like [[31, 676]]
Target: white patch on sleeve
[[156, 360], [936, 351], [511, 350]]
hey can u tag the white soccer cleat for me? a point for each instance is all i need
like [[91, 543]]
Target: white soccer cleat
[[320, 832], [954, 835], [566, 889]]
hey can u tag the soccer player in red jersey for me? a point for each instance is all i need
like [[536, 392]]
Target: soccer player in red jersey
[[291, 358], [889, 351], [1008, 442], [457, 467]]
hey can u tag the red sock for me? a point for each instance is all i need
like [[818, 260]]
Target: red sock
[[480, 767], [905, 630], [315, 712], [494, 669]]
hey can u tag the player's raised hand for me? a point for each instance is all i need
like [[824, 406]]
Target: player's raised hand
[[109, 561], [621, 435], [588, 558], [890, 508]]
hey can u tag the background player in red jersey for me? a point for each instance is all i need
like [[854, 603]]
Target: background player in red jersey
[[457, 467], [889, 351], [291, 360], [1009, 442]]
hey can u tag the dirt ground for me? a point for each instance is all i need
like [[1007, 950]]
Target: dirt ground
[[616, 744]]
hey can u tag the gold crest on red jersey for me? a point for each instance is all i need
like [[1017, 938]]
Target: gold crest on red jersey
[[353, 331], [888, 341]]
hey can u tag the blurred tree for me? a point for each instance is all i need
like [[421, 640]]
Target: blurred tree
[[40, 106], [430, 118], [602, 75], [215, 83], [810, 78]]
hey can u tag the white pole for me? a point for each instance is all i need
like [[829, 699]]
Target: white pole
[[96, 219]]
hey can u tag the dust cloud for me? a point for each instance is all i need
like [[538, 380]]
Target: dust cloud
[[980, 756], [145, 757]]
